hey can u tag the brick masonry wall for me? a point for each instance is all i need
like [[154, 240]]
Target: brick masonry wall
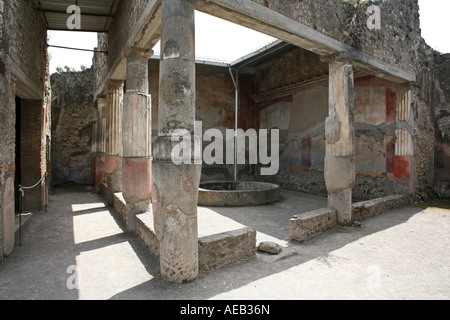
[[23, 38], [31, 144]]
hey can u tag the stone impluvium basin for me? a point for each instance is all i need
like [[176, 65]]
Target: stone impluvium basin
[[241, 193]]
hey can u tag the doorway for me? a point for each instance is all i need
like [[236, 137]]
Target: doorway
[[18, 176]]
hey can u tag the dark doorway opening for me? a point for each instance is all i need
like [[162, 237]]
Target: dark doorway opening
[[18, 170]]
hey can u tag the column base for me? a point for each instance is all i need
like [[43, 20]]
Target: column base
[[174, 200], [403, 175], [113, 172], [99, 171], [341, 200]]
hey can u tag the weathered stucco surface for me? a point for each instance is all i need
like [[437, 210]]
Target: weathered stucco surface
[[400, 24], [441, 100], [23, 65], [300, 115], [73, 115]]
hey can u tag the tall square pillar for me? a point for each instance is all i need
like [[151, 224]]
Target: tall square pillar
[[340, 171]]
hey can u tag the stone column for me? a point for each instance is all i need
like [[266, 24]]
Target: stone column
[[113, 160], [340, 141], [175, 187], [101, 136], [136, 135]]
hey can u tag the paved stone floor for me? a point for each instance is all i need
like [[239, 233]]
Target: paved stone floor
[[79, 250]]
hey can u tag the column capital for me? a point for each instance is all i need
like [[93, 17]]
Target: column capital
[[112, 84], [402, 87], [337, 57], [141, 52], [101, 100]]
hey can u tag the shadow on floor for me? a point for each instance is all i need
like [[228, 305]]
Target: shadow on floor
[[107, 262]]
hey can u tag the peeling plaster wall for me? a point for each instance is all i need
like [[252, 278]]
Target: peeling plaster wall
[[300, 116], [23, 63], [74, 114], [299, 113], [398, 43], [23, 39], [375, 125]]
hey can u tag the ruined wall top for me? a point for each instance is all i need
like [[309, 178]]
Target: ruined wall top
[[397, 41], [394, 42]]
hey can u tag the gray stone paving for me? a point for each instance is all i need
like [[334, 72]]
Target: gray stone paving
[[79, 249]]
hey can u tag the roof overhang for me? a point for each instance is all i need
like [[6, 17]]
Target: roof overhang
[[95, 16]]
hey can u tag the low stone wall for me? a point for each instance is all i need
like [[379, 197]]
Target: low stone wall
[[220, 250], [215, 251], [311, 224], [119, 203], [145, 231], [366, 209]]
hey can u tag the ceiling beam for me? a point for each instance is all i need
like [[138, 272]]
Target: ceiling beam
[[260, 18], [82, 13]]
